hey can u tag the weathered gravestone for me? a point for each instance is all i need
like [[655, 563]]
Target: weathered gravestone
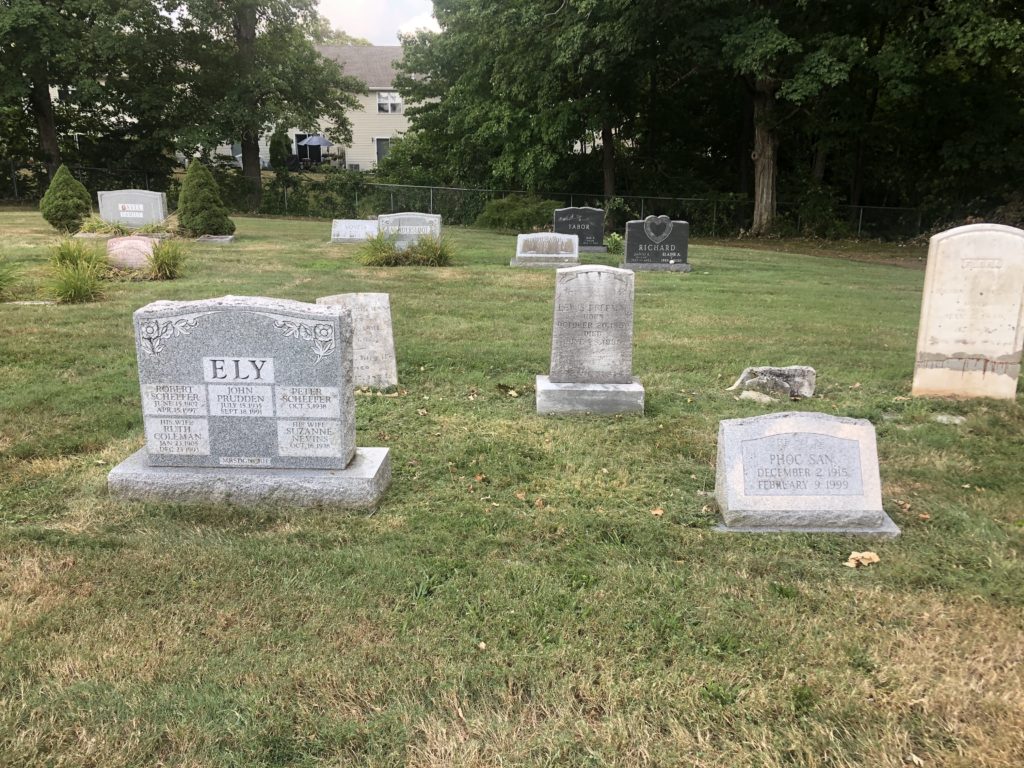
[[132, 207], [544, 249], [352, 230], [591, 344], [585, 222], [373, 343], [972, 317], [408, 228], [215, 239], [657, 243], [130, 252], [248, 399], [809, 472]]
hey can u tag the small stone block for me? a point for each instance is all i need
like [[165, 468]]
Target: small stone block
[[545, 262], [656, 267], [575, 397], [359, 486], [216, 239]]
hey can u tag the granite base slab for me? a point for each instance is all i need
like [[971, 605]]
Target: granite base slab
[[638, 267], [886, 530], [554, 398], [547, 262], [593, 249], [216, 239], [359, 486]]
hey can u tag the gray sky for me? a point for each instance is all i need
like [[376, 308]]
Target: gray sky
[[379, 21]]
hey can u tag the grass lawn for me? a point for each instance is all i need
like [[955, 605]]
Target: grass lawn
[[513, 601]]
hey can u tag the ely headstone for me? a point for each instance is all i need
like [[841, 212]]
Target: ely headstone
[[546, 249], [585, 222], [408, 228], [657, 243], [972, 317], [373, 342], [352, 230], [130, 252], [248, 399], [809, 472], [132, 208], [591, 344]]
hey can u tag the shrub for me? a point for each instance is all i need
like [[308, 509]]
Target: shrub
[[8, 275], [167, 261], [615, 243], [95, 225], [70, 252], [156, 228], [380, 251], [66, 202], [518, 213], [200, 210]]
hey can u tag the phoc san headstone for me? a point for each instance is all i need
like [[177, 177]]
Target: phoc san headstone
[[585, 222], [809, 472], [373, 342], [657, 243], [247, 399], [591, 344], [972, 317]]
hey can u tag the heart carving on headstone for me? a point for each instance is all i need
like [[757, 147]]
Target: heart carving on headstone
[[658, 228]]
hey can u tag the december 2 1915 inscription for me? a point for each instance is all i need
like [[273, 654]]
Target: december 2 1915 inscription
[[246, 382]]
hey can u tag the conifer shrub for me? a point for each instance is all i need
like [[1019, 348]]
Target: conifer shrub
[[518, 213], [66, 202], [200, 210]]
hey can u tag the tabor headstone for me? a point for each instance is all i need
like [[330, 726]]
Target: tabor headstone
[[408, 228], [657, 243], [591, 344], [809, 472], [352, 230], [546, 249], [972, 317], [373, 343], [130, 252], [132, 207], [248, 399], [586, 223]]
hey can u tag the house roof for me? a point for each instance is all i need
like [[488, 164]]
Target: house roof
[[373, 64]]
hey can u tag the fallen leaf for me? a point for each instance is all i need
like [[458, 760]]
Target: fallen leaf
[[924, 516], [658, 512], [860, 559], [421, 411], [914, 760], [480, 478], [855, 386], [521, 495], [538, 503], [482, 645], [966, 485], [513, 393]]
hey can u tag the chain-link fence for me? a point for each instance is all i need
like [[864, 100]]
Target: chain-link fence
[[348, 194]]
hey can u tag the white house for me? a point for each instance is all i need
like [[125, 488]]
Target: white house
[[381, 116]]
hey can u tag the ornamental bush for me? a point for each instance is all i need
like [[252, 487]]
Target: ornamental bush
[[66, 202], [518, 213], [200, 210]]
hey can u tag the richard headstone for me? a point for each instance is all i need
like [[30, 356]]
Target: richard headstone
[[809, 472], [972, 316], [586, 223], [408, 228], [657, 243], [546, 249], [248, 399], [130, 252], [373, 342], [591, 344], [352, 230], [132, 208]]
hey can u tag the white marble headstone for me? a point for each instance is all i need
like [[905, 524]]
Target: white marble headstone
[[408, 228], [972, 316], [373, 342], [546, 249], [352, 230], [132, 208]]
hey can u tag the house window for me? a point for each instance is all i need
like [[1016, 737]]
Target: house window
[[389, 102], [353, 166], [383, 145]]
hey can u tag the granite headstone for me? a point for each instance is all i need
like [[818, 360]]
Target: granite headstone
[[585, 222], [546, 249], [131, 252], [657, 243], [373, 342], [972, 316], [132, 208], [353, 230], [408, 228], [794, 471], [591, 344]]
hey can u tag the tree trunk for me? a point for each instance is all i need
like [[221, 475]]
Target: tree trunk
[[820, 157], [608, 160], [245, 37], [746, 140], [42, 108], [765, 156]]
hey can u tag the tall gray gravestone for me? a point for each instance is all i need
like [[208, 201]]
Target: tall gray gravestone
[[373, 342], [132, 208], [972, 316], [546, 250], [408, 228], [248, 399], [801, 472], [586, 223], [657, 243], [591, 344]]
